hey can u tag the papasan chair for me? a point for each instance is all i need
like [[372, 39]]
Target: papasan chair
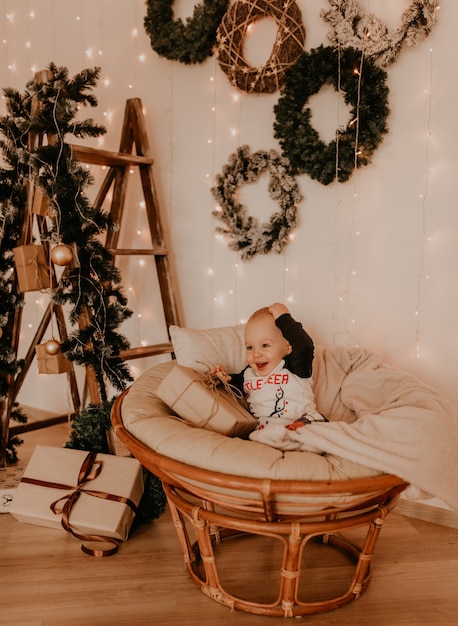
[[324, 496]]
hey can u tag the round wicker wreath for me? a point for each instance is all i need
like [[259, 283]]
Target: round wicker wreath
[[288, 46], [244, 232], [190, 42], [367, 94], [354, 27]]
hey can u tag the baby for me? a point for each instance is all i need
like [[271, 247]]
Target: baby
[[277, 380]]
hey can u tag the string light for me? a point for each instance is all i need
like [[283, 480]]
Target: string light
[[422, 275]]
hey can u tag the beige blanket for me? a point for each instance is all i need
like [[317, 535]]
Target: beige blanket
[[380, 417]]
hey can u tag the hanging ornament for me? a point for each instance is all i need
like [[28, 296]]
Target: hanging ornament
[[52, 346], [61, 254], [1, 332]]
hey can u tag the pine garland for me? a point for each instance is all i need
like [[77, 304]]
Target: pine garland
[[245, 234], [189, 42], [92, 289], [367, 93]]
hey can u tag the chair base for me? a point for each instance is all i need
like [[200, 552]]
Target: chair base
[[203, 556]]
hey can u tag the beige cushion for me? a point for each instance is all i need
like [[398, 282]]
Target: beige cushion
[[149, 419], [203, 349]]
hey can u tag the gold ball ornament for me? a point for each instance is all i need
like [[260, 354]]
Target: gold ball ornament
[[52, 346], [61, 254], [1, 332]]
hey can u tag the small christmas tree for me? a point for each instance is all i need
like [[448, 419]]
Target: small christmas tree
[[90, 287]]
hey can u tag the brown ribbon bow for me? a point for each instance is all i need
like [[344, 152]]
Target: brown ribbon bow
[[89, 470]]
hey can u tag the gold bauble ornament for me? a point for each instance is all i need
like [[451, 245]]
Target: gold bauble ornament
[[52, 346], [61, 254], [1, 332]]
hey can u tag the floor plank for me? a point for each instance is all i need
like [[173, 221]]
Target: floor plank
[[48, 581]]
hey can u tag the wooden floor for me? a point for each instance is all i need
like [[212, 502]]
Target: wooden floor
[[46, 580]]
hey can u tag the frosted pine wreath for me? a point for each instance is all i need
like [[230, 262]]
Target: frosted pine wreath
[[288, 46], [245, 234], [367, 94], [189, 42], [354, 27]]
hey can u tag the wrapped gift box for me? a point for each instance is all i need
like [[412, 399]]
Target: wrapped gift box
[[119, 476], [10, 478], [51, 363], [189, 394], [32, 267], [40, 202]]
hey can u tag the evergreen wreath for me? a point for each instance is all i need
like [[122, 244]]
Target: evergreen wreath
[[367, 93], [246, 236], [190, 42], [354, 27], [288, 46]]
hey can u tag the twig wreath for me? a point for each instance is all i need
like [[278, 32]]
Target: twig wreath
[[245, 234], [288, 46], [363, 86], [189, 42], [354, 27]]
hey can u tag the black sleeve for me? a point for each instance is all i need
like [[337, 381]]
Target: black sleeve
[[301, 358], [237, 380]]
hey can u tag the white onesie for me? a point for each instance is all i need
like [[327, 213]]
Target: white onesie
[[280, 398]]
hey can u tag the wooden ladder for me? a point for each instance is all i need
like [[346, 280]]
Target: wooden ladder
[[134, 152]]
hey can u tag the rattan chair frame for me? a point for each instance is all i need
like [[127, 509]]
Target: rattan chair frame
[[211, 507]]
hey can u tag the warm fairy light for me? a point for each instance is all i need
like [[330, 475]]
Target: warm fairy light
[[141, 262], [141, 57], [134, 32], [235, 97], [88, 53], [234, 132]]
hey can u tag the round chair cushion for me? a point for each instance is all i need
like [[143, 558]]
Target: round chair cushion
[[153, 423]]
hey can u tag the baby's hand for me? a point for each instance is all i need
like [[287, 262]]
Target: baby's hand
[[220, 372], [295, 425], [278, 309]]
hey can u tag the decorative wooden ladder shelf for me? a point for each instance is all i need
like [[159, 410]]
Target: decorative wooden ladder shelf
[[119, 164]]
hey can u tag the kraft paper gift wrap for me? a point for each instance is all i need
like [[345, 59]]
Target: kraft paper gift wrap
[[189, 394], [32, 267], [119, 476]]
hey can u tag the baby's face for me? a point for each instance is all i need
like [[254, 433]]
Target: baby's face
[[265, 345]]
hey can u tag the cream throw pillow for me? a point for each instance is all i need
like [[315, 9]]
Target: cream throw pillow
[[203, 349]]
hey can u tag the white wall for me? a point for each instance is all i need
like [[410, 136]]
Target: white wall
[[373, 262]]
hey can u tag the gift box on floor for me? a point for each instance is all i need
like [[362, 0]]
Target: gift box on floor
[[199, 400], [106, 494], [10, 478]]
